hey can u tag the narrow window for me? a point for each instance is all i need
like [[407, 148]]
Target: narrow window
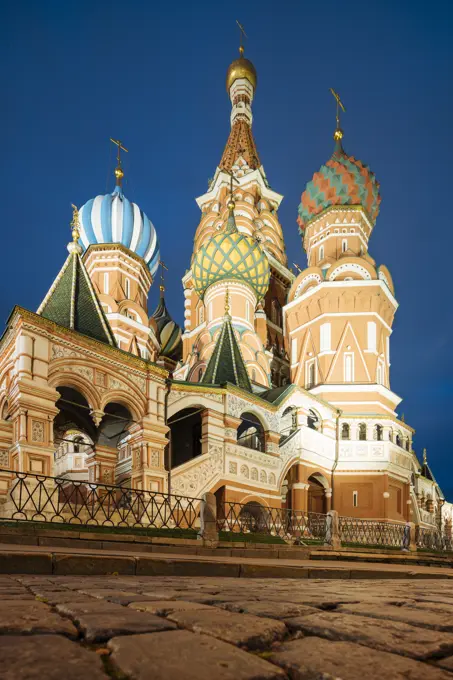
[[294, 350], [344, 245], [200, 374], [348, 367], [345, 431], [380, 373], [355, 499], [253, 375], [200, 314], [379, 433], [362, 432], [106, 282], [371, 336], [127, 289], [321, 253], [325, 337], [311, 374]]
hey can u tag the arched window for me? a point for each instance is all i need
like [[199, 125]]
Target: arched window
[[408, 445], [348, 367], [313, 420], [345, 430], [362, 431], [311, 374], [276, 312], [127, 289], [321, 252], [399, 441], [200, 374], [344, 245], [250, 432], [379, 431]]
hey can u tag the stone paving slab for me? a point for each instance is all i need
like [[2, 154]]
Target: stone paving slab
[[186, 656], [243, 630], [32, 617], [47, 657], [100, 621], [164, 608], [412, 615], [314, 658], [388, 636]]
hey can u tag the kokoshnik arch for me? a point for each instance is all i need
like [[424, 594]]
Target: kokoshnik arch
[[276, 392]]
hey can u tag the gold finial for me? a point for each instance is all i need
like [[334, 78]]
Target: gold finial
[[231, 204], [75, 224], [163, 267], [119, 173], [243, 35], [338, 134], [227, 302], [425, 457]]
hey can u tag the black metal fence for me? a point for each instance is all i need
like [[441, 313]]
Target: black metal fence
[[433, 539], [58, 499], [253, 518], [370, 532]]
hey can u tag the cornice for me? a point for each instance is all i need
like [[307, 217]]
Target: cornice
[[57, 333]]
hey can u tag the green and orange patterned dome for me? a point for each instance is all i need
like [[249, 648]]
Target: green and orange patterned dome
[[343, 180]]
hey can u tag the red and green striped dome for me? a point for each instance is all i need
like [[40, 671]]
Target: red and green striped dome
[[343, 180]]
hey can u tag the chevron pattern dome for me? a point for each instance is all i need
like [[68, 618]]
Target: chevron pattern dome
[[231, 255], [343, 180], [114, 219]]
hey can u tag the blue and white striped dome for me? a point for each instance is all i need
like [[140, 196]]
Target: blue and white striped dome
[[114, 219]]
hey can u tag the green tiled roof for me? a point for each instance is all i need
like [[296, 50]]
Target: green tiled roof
[[226, 363], [72, 302]]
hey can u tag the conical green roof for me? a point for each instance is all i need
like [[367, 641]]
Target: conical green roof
[[226, 363], [72, 301]]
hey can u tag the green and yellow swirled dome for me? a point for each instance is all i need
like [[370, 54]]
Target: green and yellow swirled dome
[[231, 255]]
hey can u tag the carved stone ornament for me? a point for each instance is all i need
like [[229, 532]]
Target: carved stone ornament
[[193, 481], [37, 431], [155, 459], [233, 468]]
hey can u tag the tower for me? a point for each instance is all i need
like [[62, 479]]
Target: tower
[[240, 181], [340, 309], [122, 256]]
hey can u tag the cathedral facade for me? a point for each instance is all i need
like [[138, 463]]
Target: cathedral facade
[[276, 391]]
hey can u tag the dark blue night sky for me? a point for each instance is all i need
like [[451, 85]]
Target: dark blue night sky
[[153, 74]]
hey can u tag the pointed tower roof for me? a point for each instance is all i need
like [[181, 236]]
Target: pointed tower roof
[[241, 143], [226, 363], [72, 301]]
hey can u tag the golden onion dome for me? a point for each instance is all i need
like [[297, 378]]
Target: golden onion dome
[[231, 255], [241, 68]]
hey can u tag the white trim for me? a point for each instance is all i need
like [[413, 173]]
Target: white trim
[[337, 314], [348, 368], [223, 180], [251, 492], [347, 284], [363, 403], [357, 387], [135, 324]]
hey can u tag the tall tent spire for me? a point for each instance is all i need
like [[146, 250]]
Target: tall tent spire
[[72, 301], [226, 363]]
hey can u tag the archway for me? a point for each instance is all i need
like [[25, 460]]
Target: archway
[[317, 499], [250, 432], [185, 428]]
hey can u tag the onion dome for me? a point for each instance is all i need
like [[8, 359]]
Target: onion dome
[[114, 219], [231, 255], [241, 68], [343, 180], [168, 332]]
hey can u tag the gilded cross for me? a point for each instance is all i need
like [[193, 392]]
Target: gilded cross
[[243, 35], [120, 148], [163, 269], [339, 106]]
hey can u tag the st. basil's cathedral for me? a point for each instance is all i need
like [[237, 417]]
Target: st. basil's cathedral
[[276, 392]]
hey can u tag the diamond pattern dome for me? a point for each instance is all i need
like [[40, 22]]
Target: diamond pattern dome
[[231, 255], [343, 180]]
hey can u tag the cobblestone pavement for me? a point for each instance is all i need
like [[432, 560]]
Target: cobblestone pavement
[[195, 628]]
